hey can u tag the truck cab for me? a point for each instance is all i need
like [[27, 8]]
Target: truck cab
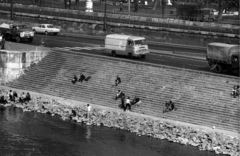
[[17, 32]]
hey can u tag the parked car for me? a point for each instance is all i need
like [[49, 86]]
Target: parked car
[[46, 29], [17, 32]]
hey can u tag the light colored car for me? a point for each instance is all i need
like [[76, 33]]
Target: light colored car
[[46, 29]]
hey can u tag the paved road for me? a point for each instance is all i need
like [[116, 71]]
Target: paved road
[[76, 40], [86, 44]]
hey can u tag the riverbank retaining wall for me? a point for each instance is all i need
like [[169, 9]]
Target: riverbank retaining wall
[[139, 124]]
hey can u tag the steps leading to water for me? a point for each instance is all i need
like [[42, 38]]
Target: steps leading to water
[[201, 98]]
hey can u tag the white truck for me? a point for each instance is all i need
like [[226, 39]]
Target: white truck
[[126, 44], [221, 56]]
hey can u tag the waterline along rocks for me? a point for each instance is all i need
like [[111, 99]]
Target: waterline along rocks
[[135, 123]]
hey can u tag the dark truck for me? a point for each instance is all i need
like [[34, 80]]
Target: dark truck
[[221, 56], [17, 32]]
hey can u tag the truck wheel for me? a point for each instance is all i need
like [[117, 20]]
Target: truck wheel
[[18, 39], [114, 53], [130, 55], [46, 33], [218, 68], [34, 31], [143, 56]]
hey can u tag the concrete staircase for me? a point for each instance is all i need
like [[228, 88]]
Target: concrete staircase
[[201, 98]]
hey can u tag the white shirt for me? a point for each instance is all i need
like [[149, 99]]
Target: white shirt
[[128, 101], [88, 108]]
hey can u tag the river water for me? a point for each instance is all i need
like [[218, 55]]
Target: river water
[[35, 134]]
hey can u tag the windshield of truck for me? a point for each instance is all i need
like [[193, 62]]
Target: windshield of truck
[[139, 42], [50, 26]]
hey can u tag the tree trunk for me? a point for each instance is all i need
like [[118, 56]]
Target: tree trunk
[[220, 9]]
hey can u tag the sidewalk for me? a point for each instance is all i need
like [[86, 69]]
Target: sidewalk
[[19, 47]]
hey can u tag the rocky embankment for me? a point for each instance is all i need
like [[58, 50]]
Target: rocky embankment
[[135, 123]]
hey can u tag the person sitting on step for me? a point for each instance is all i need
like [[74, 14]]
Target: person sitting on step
[[136, 101], [15, 95], [10, 95], [82, 78], [22, 98], [75, 79], [2, 100], [74, 114], [235, 91], [169, 106], [28, 97], [117, 81], [172, 106]]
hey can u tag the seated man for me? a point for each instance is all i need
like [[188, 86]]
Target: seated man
[[117, 81], [234, 91], [10, 95], [74, 80], [14, 96], [136, 101], [28, 97], [237, 90], [172, 106], [22, 98], [2, 100], [74, 114], [119, 94], [82, 77], [166, 109]]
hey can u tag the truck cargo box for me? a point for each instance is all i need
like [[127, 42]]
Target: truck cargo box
[[221, 52]]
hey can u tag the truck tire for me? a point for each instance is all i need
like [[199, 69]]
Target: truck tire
[[114, 54], [46, 33], [18, 39], [130, 55], [34, 31], [218, 68]]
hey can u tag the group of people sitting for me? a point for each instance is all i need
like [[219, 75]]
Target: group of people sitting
[[169, 106], [127, 103], [81, 78], [12, 96], [235, 91]]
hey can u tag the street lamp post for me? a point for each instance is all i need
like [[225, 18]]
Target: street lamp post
[[105, 16], [11, 9], [129, 7]]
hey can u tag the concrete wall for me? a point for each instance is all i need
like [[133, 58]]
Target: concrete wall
[[14, 63]]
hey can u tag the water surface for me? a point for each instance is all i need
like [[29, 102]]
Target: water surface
[[34, 134]]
